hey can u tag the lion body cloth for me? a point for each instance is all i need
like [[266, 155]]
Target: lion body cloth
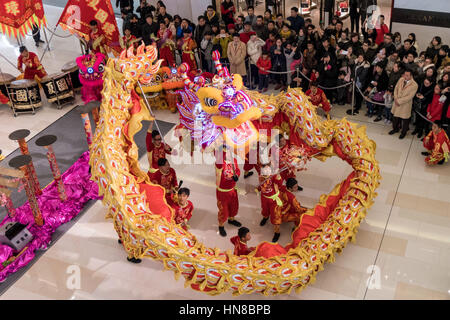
[[144, 222]]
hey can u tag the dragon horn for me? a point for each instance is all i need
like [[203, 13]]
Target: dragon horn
[[140, 49], [123, 55], [183, 69], [130, 52], [217, 64]]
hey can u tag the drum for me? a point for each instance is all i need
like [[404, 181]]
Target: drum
[[72, 68], [5, 80], [25, 95], [57, 87]]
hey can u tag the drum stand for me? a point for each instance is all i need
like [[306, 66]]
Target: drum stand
[[7, 89], [58, 101]]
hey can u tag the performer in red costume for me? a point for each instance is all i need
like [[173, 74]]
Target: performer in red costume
[[280, 159], [292, 210], [187, 46], [166, 177], [165, 45], [252, 161], [97, 41], [156, 149], [183, 207], [33, 67], [318, 97], [240, 242], [129, 40], [227, 174], [438, 143], [271, 204]]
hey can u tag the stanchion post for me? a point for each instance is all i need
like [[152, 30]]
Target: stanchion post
[[19, 136], [22, 163], [46, 142]]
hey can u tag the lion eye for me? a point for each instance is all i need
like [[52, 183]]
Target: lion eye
[[101, 67], [210, 102], [158, 78]]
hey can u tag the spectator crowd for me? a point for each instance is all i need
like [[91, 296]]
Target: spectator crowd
[[397, 81]]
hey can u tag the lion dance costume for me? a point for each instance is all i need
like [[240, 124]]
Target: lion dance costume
[[91, 68]]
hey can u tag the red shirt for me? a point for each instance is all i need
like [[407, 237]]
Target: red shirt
[[156, 152], [381, 31], [435, 108], [240, 248], [266, 64], [182, 213], [226, 174], [245, 36], [167, 181]]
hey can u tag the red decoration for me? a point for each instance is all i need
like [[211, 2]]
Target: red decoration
[[78, 13], [19, 16]]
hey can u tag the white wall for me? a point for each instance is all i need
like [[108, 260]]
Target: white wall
[[430, 5], [189, 9]]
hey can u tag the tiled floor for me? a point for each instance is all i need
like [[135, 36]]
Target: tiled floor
[[404, 242]]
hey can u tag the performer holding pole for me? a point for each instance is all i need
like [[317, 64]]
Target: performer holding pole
[[227, 174]]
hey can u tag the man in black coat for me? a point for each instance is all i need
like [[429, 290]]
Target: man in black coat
[[297, 21], [328, 76], [329, 7], [125, 5], [354, 15], [149, 29]]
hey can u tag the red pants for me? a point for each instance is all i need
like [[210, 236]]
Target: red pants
[[228, 204], [190, 60], [269, 208], [166, 54], [248, 167], [30, 73], [435, 157]]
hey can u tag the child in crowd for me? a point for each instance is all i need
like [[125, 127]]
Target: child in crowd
[[388, 102], [264, 64]]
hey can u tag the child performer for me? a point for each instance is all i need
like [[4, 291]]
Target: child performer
[[240, 242], [187, 46], [183, 207], [227, 174], [318, 97], [438, 143]]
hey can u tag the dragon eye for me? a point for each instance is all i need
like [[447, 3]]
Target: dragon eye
[[101, 67], [158, 77], [210, 102]]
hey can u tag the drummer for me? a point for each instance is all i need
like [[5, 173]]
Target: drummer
[[97, 41], [33, 66]]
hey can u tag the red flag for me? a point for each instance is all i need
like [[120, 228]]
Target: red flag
[[19, 16], [78, 13]]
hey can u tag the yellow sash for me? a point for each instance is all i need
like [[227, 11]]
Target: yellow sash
[[276, 198]]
